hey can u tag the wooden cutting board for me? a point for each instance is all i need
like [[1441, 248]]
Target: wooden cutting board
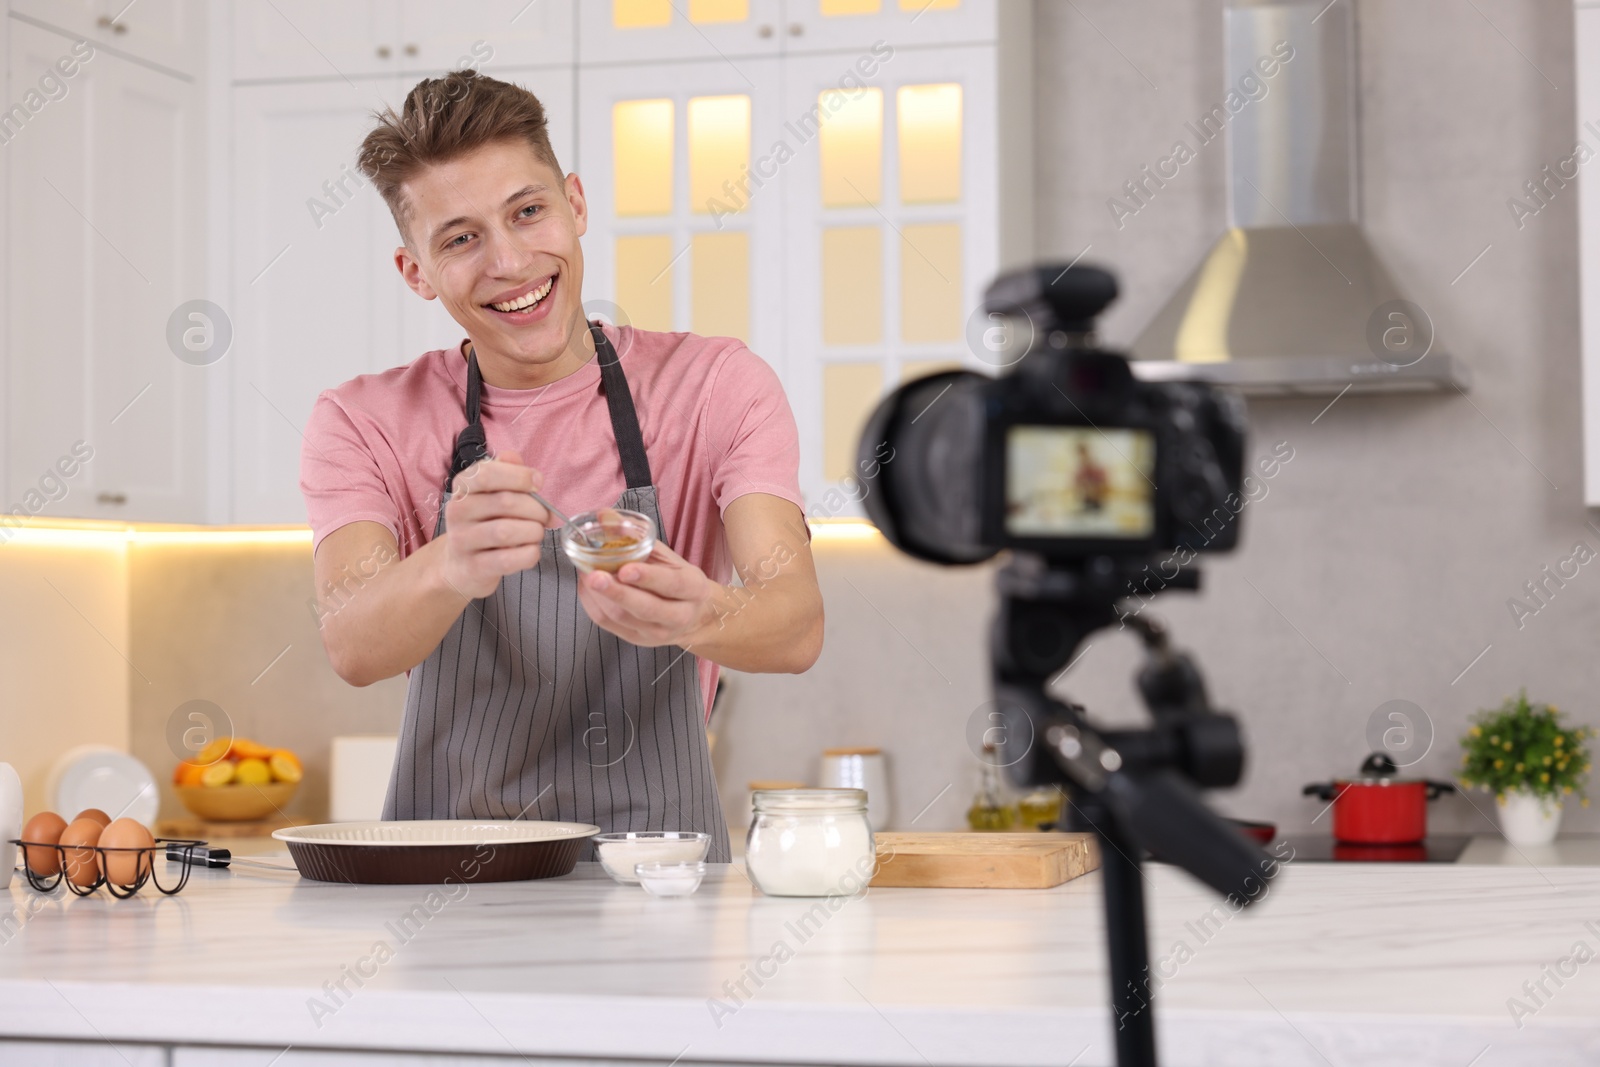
[[983, 861]]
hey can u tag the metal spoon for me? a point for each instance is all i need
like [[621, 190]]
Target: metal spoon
[[588, 538]]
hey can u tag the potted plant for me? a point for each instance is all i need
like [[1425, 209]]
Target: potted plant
[[1521, 753]]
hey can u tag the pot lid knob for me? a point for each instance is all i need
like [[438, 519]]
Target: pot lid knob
[[1379, 763]]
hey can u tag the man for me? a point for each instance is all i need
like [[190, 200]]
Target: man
[[535, 691]]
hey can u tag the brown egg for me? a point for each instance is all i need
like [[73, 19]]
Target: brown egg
[[125, 868], [45, 829], [93, 813], [83, 863]]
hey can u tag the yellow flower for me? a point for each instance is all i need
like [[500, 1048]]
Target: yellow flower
[[1584, 802], [1559, 740], [1493, 739], [1544, 776], [1547, 761], [1499, 763], [1506, 746], [1474, 731], [1567, 789], [1518, 768]]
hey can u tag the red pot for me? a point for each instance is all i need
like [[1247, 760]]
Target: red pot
[[1379, 808]]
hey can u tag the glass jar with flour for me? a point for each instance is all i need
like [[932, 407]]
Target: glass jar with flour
[[809, 842]]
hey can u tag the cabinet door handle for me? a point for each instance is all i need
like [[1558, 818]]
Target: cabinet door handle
[[106, 22], [764, 31], [383, 51], [796, 29], [411, 49], [111, 498]]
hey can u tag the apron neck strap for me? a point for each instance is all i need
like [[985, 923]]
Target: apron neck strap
[[624, 419], [472, 445]]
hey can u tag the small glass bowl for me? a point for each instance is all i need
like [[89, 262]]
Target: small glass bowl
[[621, 854], [670, 879], [628, 535]]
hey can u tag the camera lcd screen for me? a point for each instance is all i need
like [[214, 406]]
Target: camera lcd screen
[[1078, 481]]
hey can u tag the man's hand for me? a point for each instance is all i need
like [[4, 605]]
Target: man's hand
[[660, 601], [770, 623], [492, 526]]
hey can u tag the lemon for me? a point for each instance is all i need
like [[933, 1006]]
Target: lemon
[[285, 766], [218, 773], [252, 771]]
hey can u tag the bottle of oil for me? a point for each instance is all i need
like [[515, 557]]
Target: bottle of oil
[[992, 809]]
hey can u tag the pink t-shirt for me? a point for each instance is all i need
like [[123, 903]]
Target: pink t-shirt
[[715, 421]]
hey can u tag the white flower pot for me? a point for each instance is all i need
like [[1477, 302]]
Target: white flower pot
[[1527, 819]]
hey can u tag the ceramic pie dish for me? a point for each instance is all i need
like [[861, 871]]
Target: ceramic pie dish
[[436, 851]]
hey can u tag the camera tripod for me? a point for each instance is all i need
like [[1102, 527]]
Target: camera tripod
[[1136, 790]]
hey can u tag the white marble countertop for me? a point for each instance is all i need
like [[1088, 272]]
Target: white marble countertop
[[1340, 964]]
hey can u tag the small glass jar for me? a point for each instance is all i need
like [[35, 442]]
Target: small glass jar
[[810, 842], [624, 536]]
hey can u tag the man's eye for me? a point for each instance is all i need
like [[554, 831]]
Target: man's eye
[[528, 211], [459, 240]]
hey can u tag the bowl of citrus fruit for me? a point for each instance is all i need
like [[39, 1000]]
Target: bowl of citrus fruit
[[235, 779]]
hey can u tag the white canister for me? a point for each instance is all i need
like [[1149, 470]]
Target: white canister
[[10, 821], [810, 843], [860, 768]]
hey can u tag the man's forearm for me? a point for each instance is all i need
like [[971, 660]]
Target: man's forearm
[[774, 627], [391, 621]]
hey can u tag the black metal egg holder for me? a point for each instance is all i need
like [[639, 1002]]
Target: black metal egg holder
[[147, 871]]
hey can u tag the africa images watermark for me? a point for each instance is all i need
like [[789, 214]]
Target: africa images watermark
[[1536, 992], [53, 85], [852, 885], [52, 487], [1541, 191], [1252, 86], [1203, 930], [336, 992], [1209, 528], [1542, 589]]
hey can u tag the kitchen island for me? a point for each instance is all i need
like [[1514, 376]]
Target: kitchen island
[[1339, 964]]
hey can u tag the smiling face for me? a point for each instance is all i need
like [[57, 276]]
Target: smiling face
[[493, 234]]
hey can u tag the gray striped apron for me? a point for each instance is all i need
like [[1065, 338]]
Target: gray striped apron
[[528, 710]]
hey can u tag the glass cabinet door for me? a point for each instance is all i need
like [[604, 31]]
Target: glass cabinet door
[[685, 199], [890, 238]]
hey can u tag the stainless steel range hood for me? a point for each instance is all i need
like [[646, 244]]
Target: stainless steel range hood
[[1292, 299]]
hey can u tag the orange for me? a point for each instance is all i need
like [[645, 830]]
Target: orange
[[218, 773], [285, 766], [188, 773], [217, 749], [244, 748]]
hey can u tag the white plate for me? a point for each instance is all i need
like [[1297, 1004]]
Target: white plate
[[99, 776], [433, 832]]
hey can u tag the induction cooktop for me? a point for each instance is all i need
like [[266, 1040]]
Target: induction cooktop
[[1322, 848]]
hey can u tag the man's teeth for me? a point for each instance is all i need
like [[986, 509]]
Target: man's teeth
[[523, 303]]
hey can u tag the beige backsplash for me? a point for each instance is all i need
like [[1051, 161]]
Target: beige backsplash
[[902, 668]]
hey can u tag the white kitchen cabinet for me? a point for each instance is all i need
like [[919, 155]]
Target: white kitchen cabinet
[[104, 245], [681, 235], [854, 25], [630, 31], [278, 39], [82, 1054], [316, 298], [1586, 18], [168, 33]]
